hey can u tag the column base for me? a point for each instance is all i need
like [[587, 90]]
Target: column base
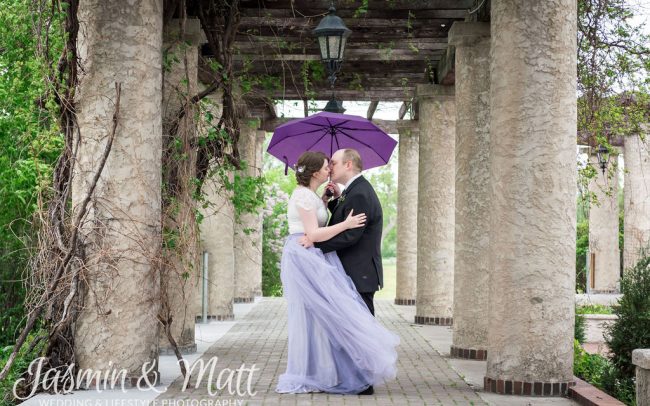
[[405, 302], [512, 387], [184, 349], [434, 321], [244, 300], [468, 353], [216, 317], [603, 291]]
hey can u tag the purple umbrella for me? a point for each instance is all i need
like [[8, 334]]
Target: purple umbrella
[[328, 132]]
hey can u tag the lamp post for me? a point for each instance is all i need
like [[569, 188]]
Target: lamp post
[[332, 36], [602, 153]]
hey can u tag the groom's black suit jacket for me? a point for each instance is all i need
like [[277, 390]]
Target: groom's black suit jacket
[[358, 248]]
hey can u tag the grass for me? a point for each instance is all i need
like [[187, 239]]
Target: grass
[[388, 292], [594, 309]]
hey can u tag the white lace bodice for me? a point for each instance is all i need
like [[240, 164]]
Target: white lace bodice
[[303, 197]]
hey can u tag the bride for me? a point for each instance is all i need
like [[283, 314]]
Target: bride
[[335, 343]]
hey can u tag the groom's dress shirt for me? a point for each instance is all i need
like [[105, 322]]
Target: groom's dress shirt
[[350, 182]]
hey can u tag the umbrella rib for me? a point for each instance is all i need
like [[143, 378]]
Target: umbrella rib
[[363, 143], [356, 129], [317, 141], [292, 135], [337, 125]]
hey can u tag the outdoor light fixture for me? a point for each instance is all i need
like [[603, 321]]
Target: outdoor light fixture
[[603, 157], [332, 36]]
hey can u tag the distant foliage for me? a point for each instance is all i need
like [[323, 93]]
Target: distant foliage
[[30, 144], [632, 328], [275, 232]]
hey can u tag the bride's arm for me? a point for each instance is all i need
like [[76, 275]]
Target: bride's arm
[[316, 234]]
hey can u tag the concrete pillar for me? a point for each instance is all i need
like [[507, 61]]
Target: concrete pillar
[[472, 236], [641, 359], [217, 239], [182, 261], [248, 230], [407, 214], [533, 199], [435, 256], [637, 197], [118, 329], [604, 253]]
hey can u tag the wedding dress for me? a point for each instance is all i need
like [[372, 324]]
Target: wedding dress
[[335, 344]]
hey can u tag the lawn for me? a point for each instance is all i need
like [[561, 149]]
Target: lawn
[[388, 292]]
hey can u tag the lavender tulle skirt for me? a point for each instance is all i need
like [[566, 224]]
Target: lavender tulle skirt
[[335, 344]]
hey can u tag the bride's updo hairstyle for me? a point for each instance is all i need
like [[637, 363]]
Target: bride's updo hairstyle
[[309, 163]]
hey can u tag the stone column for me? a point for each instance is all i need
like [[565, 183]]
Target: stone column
[[637, 197], [118, 329], [435, 256], [248, 230], [182, 261], [604, 252], [641, 359], [407, 214], [533, 198], [217, 239], [472, 236]]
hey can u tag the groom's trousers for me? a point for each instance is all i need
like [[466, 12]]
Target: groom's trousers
[[367, 298]]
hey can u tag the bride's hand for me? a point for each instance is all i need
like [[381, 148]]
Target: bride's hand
[[305, 242], [355, 221]]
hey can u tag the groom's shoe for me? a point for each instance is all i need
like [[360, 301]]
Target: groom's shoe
[[368, 391]]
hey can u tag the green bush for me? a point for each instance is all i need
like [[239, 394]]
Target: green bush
[[582, 248], [589, 367], [579, 328], [600, 372], [275, 230], [632, 328], [594, 309], [24, 358]]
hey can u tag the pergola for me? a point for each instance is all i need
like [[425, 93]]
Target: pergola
[[394, 46]]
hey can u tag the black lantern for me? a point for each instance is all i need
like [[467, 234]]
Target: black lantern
[[332, 35], [603, 157]]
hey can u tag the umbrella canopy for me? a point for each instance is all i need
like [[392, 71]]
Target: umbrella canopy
[[328, 132]]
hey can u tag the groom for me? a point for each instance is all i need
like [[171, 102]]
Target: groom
[[359, 248]]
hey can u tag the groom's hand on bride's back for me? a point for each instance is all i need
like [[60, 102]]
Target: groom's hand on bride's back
[[305, 242]]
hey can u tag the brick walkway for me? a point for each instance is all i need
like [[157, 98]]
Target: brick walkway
[[260, 338]]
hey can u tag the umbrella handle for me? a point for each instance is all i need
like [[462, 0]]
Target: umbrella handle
[[286, 165]]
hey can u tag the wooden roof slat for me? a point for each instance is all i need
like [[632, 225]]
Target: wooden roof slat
[[348, 14], [356, 4], [350, 55], [372, 107]]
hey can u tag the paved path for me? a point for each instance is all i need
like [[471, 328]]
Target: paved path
[[260, 338]]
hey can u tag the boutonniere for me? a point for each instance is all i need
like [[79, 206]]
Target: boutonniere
[[341, 199]]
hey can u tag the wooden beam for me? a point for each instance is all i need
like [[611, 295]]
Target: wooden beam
[[355, 24], [377, 13], [371, 109], [383, 94], [357, 4], [360, 34], [351, 68], [387, 54], [446, 68], [292, 43], [402, 110]]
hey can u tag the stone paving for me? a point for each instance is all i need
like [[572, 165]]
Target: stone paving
[[260, 338]]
